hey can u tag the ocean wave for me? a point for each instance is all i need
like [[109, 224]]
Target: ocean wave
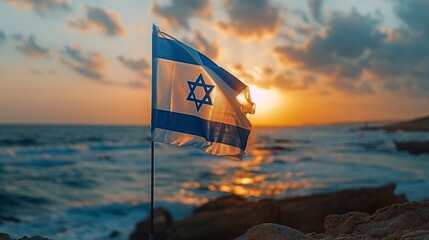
[[9, 142], [49, 151], [108, 147], [93, 222], [41, 163], [11, 203], [70, 149]]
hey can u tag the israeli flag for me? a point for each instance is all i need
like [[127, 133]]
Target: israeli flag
[[195, 102]]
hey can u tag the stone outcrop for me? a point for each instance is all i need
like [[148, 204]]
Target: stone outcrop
[[273, 232], [229, 217], [393, 222], [413, 147], [162, 220], [408, 221]]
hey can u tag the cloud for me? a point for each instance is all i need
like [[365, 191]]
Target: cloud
[[40, 7], [266, 77], [93, 66], [2, 37], [99, 19], [291, 81], [30, 48], [356, 56], [179, 12], [315, 7], [252, 19], [340, 52], [401, 63], [90, 64], [203, 45], [139, 65], [415, 14]]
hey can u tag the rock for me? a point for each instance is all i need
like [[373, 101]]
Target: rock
[[4, 236], [408, 221], [271, 231], [398, 221], [413, 147], [417, 235], [162, 221], [229, 217]]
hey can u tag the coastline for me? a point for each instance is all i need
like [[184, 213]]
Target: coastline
[[356, 212], [231, 216]]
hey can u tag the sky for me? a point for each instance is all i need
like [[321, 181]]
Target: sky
[[306, 62]]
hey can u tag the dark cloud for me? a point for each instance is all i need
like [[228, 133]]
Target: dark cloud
[[415, 14], [401, 63], [99, 19], [179, 12], [252, 18], [315, 7], [30, 48], [357, 57], [41, 7], [2, 37], [91, 64], [203, 45], [139, 65], [339, 52], [349, 36]]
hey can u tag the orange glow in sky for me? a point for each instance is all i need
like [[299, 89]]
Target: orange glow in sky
[[304, 63], [268, 104]]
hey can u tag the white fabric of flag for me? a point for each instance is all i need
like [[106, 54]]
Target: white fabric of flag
[[195, 102]]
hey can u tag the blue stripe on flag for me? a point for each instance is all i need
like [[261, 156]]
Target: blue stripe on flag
[[210, 130], [227, 77], [171, 50]]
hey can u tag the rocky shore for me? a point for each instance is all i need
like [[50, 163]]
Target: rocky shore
[[231, 216], [415, 125], [418, 124], [413, 147], [370, 213], [407, 221]]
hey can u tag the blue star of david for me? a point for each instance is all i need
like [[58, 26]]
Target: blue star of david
[[207, 89]]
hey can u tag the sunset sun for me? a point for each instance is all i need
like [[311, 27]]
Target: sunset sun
[[267, 102]]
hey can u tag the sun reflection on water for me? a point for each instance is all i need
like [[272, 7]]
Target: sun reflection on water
[[254, 178]]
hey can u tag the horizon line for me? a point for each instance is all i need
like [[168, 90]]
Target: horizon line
[[351, 122]]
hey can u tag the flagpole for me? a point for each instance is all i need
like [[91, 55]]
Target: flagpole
[[155, 31], [152, 189]]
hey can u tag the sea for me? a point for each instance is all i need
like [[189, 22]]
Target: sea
[[93, 182]]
